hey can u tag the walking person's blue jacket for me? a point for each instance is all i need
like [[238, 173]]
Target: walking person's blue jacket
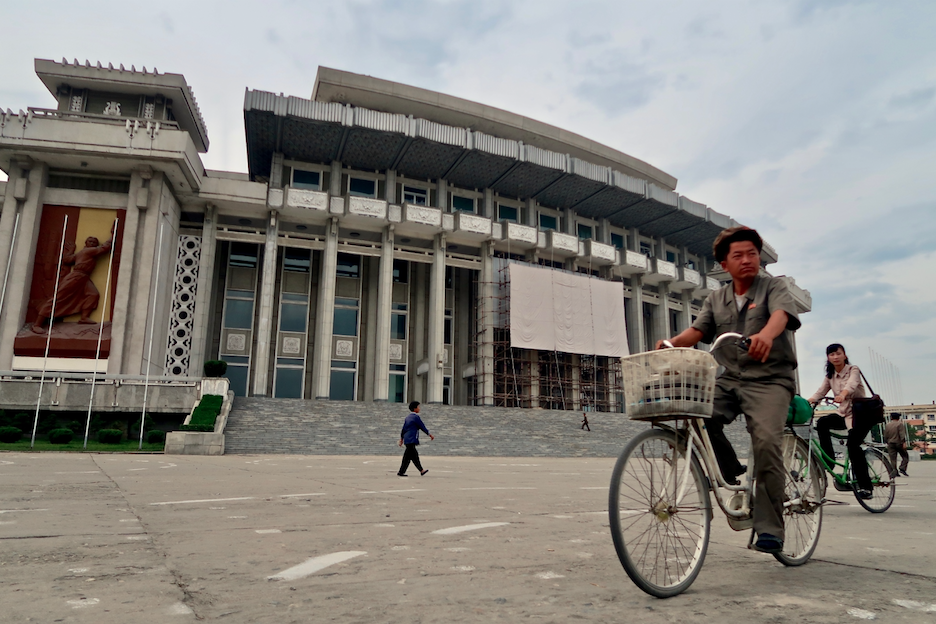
[[411, 427]]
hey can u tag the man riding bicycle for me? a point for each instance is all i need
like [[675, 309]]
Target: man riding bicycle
[[758, 378]]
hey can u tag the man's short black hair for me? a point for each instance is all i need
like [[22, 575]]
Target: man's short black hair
[[735, 235], [413, 405], [895, 415]]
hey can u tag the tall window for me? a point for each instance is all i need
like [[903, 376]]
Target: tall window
[[415, 196], [463, 204], [349, 265], [585, 232], [238, 316], [508, 213], [310, 180], [362, 187], [617, 240], [646, 249], [670, 256], [548, 222], [293, 321]]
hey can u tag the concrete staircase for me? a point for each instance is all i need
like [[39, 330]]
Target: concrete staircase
[[294, 426]]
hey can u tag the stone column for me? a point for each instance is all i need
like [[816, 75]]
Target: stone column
[[484, 367], [635, 332], [19, 281], [661, 325], [487, 205], [204, 292], [261, 359], [442, 195], [137, 201], [325, 313], [686, 314], [435, 376], [16, 189], [381, 355], [369, 326]]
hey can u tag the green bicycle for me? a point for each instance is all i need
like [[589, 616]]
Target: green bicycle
[[884, 486]]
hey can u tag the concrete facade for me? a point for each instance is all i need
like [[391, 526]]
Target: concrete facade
[[358, 257]]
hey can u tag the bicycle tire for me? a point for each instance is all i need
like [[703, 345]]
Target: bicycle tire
[[883, 486], [661, 546], [802, 510]]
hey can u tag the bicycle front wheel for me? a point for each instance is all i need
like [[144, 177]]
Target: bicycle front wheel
[[802, 506], [883, 486], [660, 513]]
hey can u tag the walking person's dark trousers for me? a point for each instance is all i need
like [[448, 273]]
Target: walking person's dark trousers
[[410, 455], [893, 449], [765, 406]]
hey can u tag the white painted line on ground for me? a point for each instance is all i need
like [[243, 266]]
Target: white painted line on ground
[[313, 565], [204, 500], [464, 568], [134, 469], [80, 472], [549, 575], [499, 488], [81, 603], [469, 527], [915, 605], [392, 491], [180, 608], [301, 495], [268, 531], [3, 511], [130, 520], [596, 487], [138, 537]]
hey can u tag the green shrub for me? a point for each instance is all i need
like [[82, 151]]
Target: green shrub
[[10, 434], [61, 436], [156, 436], [215, 368], [110, 436], [202, 428]]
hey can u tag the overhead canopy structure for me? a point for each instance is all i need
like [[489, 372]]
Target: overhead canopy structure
[[594, 180]]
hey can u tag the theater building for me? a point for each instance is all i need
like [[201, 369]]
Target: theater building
[[388, 243]]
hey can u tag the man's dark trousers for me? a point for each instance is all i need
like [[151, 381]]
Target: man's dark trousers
[[410, 455]]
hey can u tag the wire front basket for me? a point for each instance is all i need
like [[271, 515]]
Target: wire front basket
[[668, 382]]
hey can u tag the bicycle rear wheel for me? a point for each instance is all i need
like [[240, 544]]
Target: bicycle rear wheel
[[660, 513], [883, 486], [802, 507]]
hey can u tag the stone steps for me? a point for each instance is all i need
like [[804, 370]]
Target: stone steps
[[295, 426]]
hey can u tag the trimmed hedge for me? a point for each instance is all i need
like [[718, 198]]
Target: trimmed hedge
[[10, 434], [215, 368], [110, 436], [205, 414], [61, 436], [156, 437]]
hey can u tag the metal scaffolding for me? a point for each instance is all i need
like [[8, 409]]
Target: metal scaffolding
[[534, 378]]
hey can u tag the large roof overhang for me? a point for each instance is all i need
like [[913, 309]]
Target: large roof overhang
[[362, 138], [120, 80]]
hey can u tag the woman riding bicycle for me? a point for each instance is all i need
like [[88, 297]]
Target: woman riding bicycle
[[844, 379]]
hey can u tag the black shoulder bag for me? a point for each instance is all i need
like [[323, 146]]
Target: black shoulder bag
[[868, 411]]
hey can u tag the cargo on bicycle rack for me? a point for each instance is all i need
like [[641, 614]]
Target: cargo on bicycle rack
[[670, 382]]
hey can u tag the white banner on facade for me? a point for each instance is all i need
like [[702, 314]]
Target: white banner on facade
[[557, 311]]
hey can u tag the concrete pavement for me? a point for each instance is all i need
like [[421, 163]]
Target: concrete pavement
[[150, 538]]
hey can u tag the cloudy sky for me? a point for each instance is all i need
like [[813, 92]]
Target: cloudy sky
[[811, 120]]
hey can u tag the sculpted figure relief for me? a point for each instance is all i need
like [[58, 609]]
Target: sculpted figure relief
[[76, 293]]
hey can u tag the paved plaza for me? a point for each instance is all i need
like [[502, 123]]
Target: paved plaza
[[110, 538]]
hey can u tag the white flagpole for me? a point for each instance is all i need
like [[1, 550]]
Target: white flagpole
[[6, 278], [149, 354], [45, 358], [97, 353]]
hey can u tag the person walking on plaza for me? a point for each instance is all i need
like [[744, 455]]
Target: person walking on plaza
[[758, 380], [896, 437], [409, 436]]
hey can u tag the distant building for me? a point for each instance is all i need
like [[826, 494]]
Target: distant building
[[362, 257]]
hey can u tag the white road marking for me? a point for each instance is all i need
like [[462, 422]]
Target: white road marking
[[458, 549], [916, 605], [7, 522], [384, 526], [400, 548], [216, 508], [862, 539], [549, 575], [80, 472], [180, 608], [170, 466], [138, 537], [861, 614], [81, 603], [130, 520], [237, 517], [392, 491], [599, 487], [204, 500], [313, 565], [78, 570], [562, 517], [3, 511], [134, 469], [499, 488], [465, 568], [268, 531], [468, 527], [301, 495]]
